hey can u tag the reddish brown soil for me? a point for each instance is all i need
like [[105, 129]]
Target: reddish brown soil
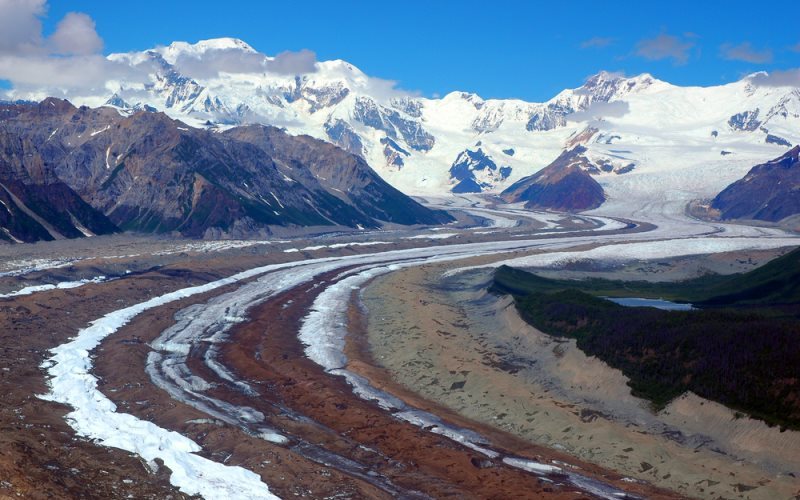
[[40, 456]]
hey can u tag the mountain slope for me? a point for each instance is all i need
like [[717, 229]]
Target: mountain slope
[[564, 185], [146, 172], [770, 191], [35, 204], [341, 174]]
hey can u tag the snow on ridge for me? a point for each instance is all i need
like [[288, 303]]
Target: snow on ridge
[[64, 285]]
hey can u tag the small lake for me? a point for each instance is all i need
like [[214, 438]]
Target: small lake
[[657, 303]]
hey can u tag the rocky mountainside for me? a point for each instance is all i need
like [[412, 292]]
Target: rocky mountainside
[[565, 185], [81, 171], [769, 192], [35, 204], [434, 145]]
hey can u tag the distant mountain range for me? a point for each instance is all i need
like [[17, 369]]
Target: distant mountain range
[[462, 142], [247, 152], [68, 172]]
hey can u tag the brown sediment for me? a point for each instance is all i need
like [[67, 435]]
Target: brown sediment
[[120, 366], [40, 455], [360, 361], [546, 408]]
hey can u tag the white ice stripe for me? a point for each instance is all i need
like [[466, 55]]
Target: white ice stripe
[[28, 266], [8, 233], [338, 245], [437, 236], [95, 416], [531, 466], [216, 246], [276, 199], [324, 330], [493, 217], [64, 285]]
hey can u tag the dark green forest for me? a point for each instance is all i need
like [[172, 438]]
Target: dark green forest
[[739, 347]]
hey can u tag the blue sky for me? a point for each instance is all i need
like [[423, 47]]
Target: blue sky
[[528, 50]]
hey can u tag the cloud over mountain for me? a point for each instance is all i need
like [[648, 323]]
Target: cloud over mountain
[[665, 46], [745, 52]]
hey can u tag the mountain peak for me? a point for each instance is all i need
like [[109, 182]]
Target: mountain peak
[[606, 76], [176, 49], [224, 43], [615, 77]]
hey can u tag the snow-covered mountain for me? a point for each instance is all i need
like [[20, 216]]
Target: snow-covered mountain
[[632, 127]]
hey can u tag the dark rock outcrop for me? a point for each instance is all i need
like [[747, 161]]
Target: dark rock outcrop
[[343, 135], [473, 171], [394, 154], [390, 121], [778, 140], [769, 192], [345, 176], [746, 121], [564, 185]]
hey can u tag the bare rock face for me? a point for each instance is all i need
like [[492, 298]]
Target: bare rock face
[[564, 185], [70, 172], [344, 176], [769, 192], [35, 204]]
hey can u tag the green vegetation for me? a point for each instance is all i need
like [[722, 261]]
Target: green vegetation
[[747, 358], [777, 282]]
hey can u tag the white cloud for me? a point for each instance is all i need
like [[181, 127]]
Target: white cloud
[[788, 78], [293, 63], [20, 25], [67, 62], [76, 35], [599, 110], [665, 46], [65, 72], [211, 63], [597, 42], [745, 52]]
